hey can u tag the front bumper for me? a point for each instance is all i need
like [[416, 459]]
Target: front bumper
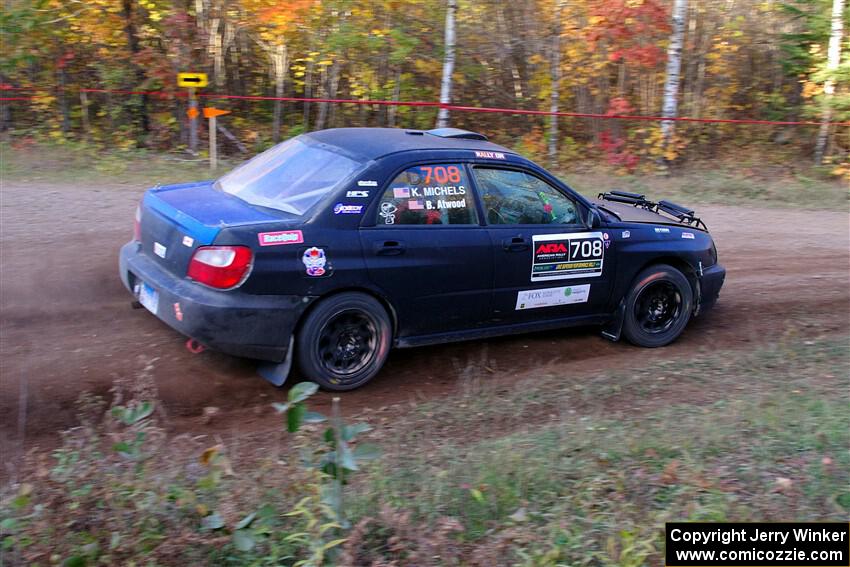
[[253, 326], [710, 283]]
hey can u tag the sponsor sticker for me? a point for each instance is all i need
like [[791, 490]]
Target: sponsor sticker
[[387, 213], [357, 194], [489, 155], [688, 235], [280, 237], [567, 256], [367, 183], [341, 209], [159, 249], [551, 297], [626, 234], [188, 241], [314, 260], [662, 229]]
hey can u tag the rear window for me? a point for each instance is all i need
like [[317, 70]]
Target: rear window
[[289, 177]]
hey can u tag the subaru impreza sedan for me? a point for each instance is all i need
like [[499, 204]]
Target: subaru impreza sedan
[[335, 246]]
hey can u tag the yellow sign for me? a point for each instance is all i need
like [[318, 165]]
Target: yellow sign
[[192, 80]]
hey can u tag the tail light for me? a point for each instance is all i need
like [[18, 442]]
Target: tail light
[[137, 225], [221, 267]]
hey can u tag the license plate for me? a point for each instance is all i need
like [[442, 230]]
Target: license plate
[[149, 298]]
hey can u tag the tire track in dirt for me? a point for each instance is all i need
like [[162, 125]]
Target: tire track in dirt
[[67, 326]]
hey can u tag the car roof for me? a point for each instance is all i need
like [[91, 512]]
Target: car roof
[[374, 143]]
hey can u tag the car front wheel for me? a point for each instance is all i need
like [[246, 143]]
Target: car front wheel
[[344, 341], [658, 307]]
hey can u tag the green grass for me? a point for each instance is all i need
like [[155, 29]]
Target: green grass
[[587, 471], [76, 163], [571, 467], [729, 182], [726, 185]]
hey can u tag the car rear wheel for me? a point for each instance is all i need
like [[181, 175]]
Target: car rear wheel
[[658, 307], [344, 341]]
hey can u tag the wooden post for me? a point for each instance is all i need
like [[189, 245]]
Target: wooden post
[[193, 122], [84, 107], [213, 145]]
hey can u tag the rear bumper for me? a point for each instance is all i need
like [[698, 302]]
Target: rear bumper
[[710, 283], [253, 326]]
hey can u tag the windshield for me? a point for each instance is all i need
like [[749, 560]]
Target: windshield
[[289, 177]]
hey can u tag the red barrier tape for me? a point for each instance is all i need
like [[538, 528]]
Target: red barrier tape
[[454, 107]]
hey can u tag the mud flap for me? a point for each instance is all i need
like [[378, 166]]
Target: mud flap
[[278, 373], [612, 330]]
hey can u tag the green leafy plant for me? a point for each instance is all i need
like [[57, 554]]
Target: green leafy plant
[[336, 458]]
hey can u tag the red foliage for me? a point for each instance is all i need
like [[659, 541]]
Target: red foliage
[[64, 59], [619, 106], [631, 30], [616, 152]]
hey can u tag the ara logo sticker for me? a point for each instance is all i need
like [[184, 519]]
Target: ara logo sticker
[[626, 234], [368, 183], [357, 194], [688, 235], [159, 249], [490, 155], [188, 241], [280, 237], [340, 209], [552, 248], [314, 260], [662, 230]]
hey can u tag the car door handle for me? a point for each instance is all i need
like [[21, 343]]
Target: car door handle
[[515, 244], [390, 248]]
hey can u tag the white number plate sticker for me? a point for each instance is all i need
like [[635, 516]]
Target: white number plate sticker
[[149, 298], [567, 256]]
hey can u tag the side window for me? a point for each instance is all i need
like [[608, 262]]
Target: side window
[[428, 194], [516, 197]]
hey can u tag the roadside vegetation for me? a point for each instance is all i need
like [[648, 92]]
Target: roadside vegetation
[[567, 468], [743, 179]]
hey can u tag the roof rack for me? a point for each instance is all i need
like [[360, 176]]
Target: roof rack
[[679, 212], [457, 133]]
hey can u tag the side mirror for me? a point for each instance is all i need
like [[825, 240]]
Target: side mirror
[[594, 219]]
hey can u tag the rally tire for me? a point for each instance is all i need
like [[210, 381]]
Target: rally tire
[[344, 341], [658, 307]]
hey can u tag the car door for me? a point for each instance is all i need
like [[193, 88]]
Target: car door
[[547, 263], [428, 252]]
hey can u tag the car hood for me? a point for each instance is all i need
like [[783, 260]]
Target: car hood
[[630, 213]]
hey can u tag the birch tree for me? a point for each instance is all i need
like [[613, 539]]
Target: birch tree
[[554, 101], [674, 65], [833, 60], [448, 64]]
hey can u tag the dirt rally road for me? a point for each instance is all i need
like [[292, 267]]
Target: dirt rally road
[[67, 326]]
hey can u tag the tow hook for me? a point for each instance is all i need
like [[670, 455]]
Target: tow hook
[[195, 347]]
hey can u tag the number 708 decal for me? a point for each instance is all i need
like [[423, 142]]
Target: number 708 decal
[[567, 256]]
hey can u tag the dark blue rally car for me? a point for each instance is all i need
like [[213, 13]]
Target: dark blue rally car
[[335, 246]]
